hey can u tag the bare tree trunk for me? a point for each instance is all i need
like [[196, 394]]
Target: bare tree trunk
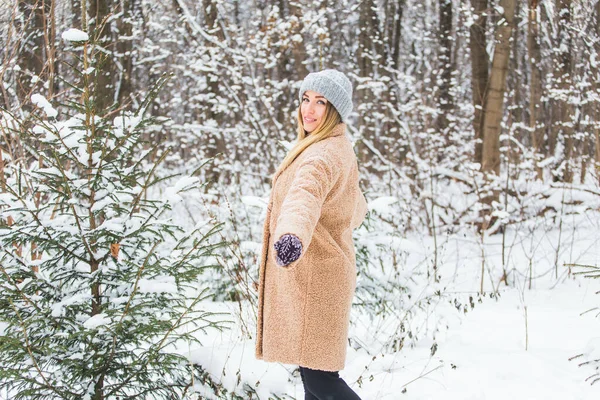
[[515, 80], [103, 91], [480, 70], [298, 49], [124, 48], [595, 76], [563, 128], [586, 149], [291, 61], [54, 64], [597, 146], [282, 71], [370, 46], [76, 14], [394, 11], [495, 98], [33, 56], [445, 101], [216, 144], [394, 29], [370, 54], [535, 81]]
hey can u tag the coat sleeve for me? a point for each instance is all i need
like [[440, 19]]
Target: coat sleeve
[[301, 207]]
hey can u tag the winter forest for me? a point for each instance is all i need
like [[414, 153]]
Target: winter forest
[[138, 139]]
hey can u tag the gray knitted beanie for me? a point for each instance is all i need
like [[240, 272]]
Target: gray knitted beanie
[[334, 86]]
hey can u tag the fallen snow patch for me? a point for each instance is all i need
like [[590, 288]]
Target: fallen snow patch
[[161, 284], [75, 35], [96, 321], [44, 104]]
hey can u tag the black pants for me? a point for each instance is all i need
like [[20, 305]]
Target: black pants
[[325, 385]]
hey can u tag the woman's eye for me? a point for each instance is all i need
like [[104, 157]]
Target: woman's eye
[[320, 102], [305, 99]]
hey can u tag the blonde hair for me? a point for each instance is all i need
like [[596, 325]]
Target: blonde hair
[[332, 118]]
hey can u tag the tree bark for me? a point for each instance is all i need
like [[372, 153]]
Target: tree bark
[[497, 84], [596, 106], [124, 49], [445, 101], [298, 49], [480, 70], [76, 14], [33, 56], [103, 91], [370, 54], [370, 46], [515, 78], [216, 141], [535, 82], [295, 55], [563, 127], [394, 30]]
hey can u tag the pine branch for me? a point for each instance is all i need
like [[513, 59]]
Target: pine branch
[[16, 286], [145, 186], [28, 347]]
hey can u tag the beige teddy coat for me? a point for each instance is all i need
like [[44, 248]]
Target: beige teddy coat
[[304, 308]]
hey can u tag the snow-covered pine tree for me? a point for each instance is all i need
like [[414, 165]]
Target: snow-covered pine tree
[[98, 284]]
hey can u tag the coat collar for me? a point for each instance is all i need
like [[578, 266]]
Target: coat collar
[[337, 130]]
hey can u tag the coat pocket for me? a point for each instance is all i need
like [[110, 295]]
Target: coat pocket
[[332, 247]]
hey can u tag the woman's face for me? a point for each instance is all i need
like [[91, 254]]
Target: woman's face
[[312, 110]]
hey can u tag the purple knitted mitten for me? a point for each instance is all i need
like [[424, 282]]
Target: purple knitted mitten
[[288, 248]]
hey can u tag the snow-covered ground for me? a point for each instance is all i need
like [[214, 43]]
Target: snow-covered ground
[[517, 345], [484, 357]]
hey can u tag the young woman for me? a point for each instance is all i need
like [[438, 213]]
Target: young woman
[[307, 269]]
